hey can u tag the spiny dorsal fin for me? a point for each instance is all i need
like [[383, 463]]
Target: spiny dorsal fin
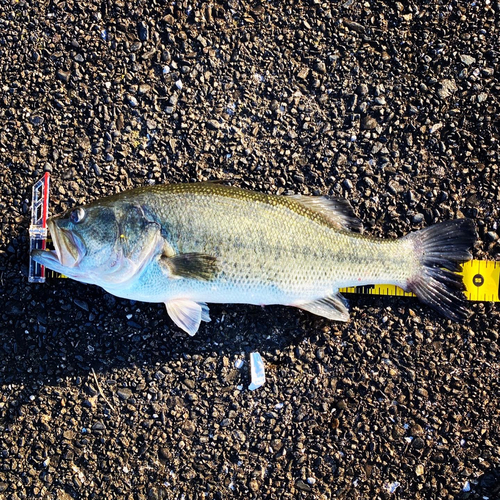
[[337, 211]]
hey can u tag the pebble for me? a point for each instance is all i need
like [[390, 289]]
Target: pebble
[[63, 75], [467, 60], [301, 485], [81, 304], [124, 393], [417, 218], [320, 67], [362, 89], [213, 125], [143, 31], [447, 88], [347, 184], [37, 120], [133, 101], [369, 123]]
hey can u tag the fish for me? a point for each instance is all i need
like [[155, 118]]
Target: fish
[[186, 245]]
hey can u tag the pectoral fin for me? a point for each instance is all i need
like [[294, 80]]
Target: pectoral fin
[[190, 265], [187, 314], [332, 307]]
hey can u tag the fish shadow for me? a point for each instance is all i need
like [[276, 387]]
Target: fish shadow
[[62, 332], [485, 486]]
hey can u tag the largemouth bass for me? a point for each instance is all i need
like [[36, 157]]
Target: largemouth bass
[[189, 244]]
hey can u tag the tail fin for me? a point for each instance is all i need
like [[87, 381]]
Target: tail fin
[[441, 249]]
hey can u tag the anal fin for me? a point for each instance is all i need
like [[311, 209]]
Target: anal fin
[[187, 314], [332, 307]]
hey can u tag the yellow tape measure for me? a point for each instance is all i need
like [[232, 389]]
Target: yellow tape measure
[[481, 280]]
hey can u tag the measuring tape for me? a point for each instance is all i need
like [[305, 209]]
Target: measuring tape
[[481, 277]]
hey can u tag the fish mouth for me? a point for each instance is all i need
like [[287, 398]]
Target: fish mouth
[[69, 249], [68, 253]]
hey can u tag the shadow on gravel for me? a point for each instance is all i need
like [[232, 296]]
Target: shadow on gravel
[[486, 486], [48, 336]]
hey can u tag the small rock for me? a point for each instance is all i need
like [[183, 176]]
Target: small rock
[[447, 88], [133, 101], [303, 73], [418, 443], [124, 393], [143, 31], [253, 485], [347, 184], [417, 218], [301, 485], [362, 89], [435, 127], [482, 97], [188, 428], [354, 26], [81, 304], [369, 123], [467, 60], [37, 120], [213, 125], [320, 67], [64, 76], [98, 426]]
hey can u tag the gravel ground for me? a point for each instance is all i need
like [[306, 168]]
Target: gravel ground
[[394, 106]]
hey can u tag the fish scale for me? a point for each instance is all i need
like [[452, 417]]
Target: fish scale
[[269, 249]]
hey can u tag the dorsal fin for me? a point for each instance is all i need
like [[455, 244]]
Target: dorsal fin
[[337, 211]]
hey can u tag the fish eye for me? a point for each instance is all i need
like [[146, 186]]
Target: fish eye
[[77, 215]]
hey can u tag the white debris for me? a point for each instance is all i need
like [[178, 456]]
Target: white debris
[[238, 363], [257, 372], [435, 127], [178, 84], [392, 487], [466, 486]]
